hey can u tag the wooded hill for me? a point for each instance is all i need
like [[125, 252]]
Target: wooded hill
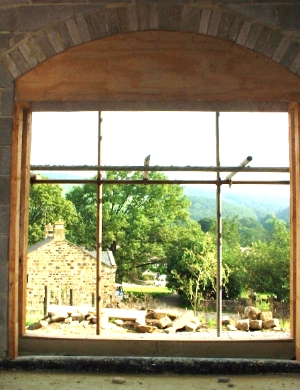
[[236, 201], [255, 205]]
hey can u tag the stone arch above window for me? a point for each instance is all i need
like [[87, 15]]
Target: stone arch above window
[[149, 16]]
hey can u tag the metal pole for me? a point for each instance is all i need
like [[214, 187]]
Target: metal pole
[[99, 231], [242, 165], [155, 168], [219, 233], [34, 180]]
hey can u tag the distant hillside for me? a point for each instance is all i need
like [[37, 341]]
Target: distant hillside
[[234, 202], [206, 208], [243, 204], [67, 176]]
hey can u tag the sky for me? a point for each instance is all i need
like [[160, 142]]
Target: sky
[[170, 138]]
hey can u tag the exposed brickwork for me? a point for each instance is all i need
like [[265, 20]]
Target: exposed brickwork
[[281, 49], [190, 19], [253, 36], [116, 20], [18, 59], [6, 103], [73, 31], [4, 190], [63, 31], [132, 18], [64, 34], [97, 25], [204, 21], [3, 294], [28, 54], [5, 154], [244, 32], [169, 16], [55, 39], [5, 133], [295, 65], [234, 29], [83, 29], [153, 24], [272, 43], [214, 23], [44, 44], [4, 218], [8, 19], [290, 54], [3, 246], [224, 25], [143, 16], [36, 18], [3, 308], [261, 13], [263, 39]]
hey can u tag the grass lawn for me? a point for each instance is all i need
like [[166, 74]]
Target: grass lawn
[[151, 290]]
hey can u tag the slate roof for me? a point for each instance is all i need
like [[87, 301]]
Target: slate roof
[[107, 257]]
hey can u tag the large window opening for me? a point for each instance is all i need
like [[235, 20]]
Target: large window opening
[[155, 237]]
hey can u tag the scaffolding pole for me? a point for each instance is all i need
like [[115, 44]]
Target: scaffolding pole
[[219, 231], [99, 231], [35, 180], [155, 168]]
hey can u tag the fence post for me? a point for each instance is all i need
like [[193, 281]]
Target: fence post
[[272, 309], [46, 300], [252, 299], [71, 297]]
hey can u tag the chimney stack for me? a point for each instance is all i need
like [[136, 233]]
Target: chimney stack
[[48, 230], [59, 231]]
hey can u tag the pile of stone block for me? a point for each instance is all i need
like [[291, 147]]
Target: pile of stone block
[[254, 319], [170, 321], [167, 321], [143, 321]]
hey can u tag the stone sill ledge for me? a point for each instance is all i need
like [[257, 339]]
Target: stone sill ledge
[[135, 365]]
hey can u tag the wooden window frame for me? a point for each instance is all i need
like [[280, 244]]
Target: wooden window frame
[[19, 343]]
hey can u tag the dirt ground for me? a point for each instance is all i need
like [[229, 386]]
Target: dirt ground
[[171, 301], [19, 380]]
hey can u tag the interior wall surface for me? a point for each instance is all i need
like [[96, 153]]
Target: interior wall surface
[[33, 33]]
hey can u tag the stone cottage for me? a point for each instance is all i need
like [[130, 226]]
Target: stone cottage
[[65, 274]]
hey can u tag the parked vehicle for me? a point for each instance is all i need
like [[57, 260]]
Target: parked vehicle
[[161, 281]]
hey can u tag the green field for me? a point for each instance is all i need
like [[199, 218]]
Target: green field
[[147, 289]]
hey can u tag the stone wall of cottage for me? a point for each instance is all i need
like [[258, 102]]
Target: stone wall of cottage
[[69, 273]]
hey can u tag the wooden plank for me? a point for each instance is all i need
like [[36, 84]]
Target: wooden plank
[[147, 66], [13, 268], [293, 209], [160, 105], [24, 215], [157, 347], [294, 134]]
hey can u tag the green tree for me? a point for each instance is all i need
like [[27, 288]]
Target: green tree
[[267, 263], [231, 256], [47, 205], [192, 265], [250, 230], [137, 219]]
